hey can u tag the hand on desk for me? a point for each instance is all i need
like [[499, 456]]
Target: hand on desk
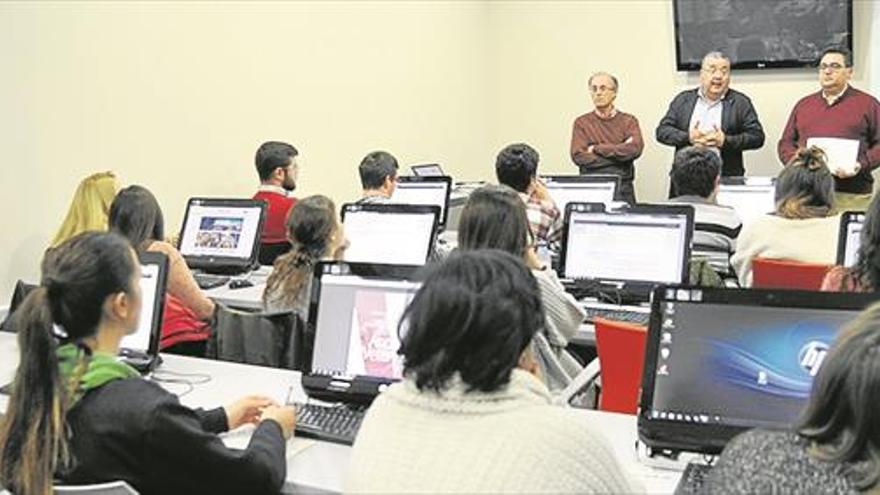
[[284, 416], [247, 410]]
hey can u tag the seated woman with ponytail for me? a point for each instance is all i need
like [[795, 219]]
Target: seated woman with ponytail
[[315, 234], [78, 415]]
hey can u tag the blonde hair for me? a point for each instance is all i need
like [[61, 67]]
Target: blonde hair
[[89, 207]]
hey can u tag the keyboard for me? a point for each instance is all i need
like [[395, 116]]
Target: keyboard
[[628, 316], [207, 281], [338, 424], [693, 479]]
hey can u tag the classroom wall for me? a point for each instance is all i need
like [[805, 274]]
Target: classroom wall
[[177, 96]]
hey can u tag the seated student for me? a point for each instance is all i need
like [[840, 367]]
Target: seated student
[[276, 165], [516, 166], [802, 228], [865, 275], [315, 234], [495, 218], [135, 214], [89, 207], [378, 171], [79, 415], [835, 446], [471, 415]]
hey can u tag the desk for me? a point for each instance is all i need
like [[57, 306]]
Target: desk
[[321, 467], [246, 298]]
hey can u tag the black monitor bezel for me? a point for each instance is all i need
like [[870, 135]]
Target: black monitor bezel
[[224, 264], [414, 169], [392, 208], [409, 179], [160, 260], [846, 218]]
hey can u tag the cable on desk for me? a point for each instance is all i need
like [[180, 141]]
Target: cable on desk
[[190, 380]]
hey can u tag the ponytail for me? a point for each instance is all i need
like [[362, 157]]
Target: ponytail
[[291, 270], [805, 187]]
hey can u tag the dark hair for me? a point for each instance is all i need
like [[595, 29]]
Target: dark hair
[[135, 214], [842, 50], [695, 171], [866, 272], [310, 225], [805, 187], [839, 417], [77, 278], [272, 155], [494, 217], [375, 167], [474, 316], [516, 165]]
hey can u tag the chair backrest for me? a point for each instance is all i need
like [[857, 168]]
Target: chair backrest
[[787, 274], [276, 340], [22, 289], [621, 349], [111, 488]]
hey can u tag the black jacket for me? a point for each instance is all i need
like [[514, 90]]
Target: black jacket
[[135, 431], [739, 121]]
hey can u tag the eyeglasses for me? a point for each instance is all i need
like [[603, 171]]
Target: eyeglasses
[[597, 89], [834, 67], [721, 70]]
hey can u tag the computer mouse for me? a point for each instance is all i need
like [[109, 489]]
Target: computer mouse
[[240, 283]]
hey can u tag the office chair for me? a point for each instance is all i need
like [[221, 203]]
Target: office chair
[[279, 340], [787, 274], [621, 349]]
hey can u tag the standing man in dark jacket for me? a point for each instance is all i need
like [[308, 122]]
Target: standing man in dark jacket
[[713, 116]]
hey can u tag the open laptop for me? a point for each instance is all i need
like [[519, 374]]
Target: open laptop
[[751, 197], [355, 310], [427, 170], [850, 237], [566, 189], [141, 349], [221, 235], [389, 233], [433, 190]]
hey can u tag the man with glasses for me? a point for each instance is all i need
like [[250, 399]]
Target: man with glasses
[[607, 141], [843, 112], [277, 168], [713, 116]]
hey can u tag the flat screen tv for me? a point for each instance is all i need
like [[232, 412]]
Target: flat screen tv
[[759, 34]]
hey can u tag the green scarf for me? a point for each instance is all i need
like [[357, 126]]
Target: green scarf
[[103, 368]]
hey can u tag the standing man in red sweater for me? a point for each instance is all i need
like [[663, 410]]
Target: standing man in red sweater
[[276, 165], [607, 141], [838, 111]]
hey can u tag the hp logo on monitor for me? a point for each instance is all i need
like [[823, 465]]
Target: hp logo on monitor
[[812, 355]]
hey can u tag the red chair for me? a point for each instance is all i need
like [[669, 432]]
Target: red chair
[[621, 349], [787, 274]]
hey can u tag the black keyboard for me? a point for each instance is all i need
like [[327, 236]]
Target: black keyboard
[[338, 424], [207, 281], [636, 317], [693, 479]]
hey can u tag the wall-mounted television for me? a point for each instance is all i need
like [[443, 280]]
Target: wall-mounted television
[[759, 34]]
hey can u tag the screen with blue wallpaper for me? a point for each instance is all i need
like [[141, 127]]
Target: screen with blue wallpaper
[[740, 365]]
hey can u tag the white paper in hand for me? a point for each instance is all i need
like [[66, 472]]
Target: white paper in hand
[[841, 153]]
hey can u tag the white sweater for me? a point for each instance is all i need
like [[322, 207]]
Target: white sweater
[[810, 240], [509, 441]]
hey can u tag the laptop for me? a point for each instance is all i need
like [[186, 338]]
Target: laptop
[[721, 361], [221, 235], [427, 170], [751, 197], [566, 189], [415, 190], [390, 233], [850, 237], [627, 251], [355, 310], [141, 349]]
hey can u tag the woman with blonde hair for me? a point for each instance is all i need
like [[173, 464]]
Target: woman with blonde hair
[[89, 207]]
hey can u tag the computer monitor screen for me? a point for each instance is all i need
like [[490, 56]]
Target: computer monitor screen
[[626, 245], [851, 238], [151, 289], [221, 232], [357, 333], [580, 191], [427, 170], [423, 191], [394, 234], [749, 200]]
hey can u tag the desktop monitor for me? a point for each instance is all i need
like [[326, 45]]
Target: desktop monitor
[[389, 233], [427, 170], [850, 237], [141, 348], [721, 361], [355, 311], [751, 197], [222, 235], [566, 189], [415, 190], [639, 245]]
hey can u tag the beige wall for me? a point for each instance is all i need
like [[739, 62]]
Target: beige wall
[[177, 96]]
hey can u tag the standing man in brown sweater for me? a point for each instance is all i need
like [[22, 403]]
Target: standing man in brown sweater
[[607, 141]]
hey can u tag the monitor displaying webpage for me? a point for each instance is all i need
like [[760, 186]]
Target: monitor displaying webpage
[[740, 365], [356, 331], [749, 201], [853, 240], [225, 231], [427, 170], [626, 246], [392, 238], [421, 193], [564, 193], [149, 283]]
